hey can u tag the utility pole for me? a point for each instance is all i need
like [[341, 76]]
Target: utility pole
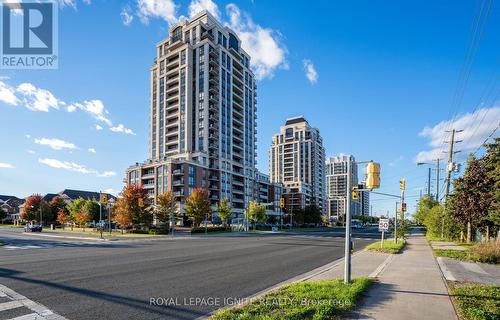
[[437, 179], [395, 223], [429, 182], [347, 253], [450, 162]]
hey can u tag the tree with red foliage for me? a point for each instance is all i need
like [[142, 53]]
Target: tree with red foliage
[[63, 217], [31, 209]]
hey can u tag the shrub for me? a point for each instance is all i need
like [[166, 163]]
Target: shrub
[[488, 252], [211, 229]]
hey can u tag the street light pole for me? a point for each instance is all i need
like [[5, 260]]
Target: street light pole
[[347, 249]]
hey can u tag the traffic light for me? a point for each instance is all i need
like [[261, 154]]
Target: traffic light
[[402, 184], [355, 193], [282, 202], [141, 202], [373, 175], [104, 199], [403, 207]]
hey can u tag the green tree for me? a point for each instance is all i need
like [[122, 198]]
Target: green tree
[[224, 209], [74, 208], [473, 196], [425, 204], [197, 207], [492, 162], [312, 214], [165, 207], [256, 213], [93, 208], [57, 203]]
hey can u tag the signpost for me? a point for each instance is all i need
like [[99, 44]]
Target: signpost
[[383, 225]]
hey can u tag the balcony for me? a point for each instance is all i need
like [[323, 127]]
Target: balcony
[[207, 35], [213, 178], [213, 70], [177, 183], [178, 172]]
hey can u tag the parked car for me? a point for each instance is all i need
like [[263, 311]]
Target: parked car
[[33, 228]]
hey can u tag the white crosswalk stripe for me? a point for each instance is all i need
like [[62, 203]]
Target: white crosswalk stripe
[[38, 311]]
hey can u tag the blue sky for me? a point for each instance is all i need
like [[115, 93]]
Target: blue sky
[[376, 77]]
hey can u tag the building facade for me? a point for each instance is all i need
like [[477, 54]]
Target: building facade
[[203, 113], [270, 193], [336, 186], [297, 161]]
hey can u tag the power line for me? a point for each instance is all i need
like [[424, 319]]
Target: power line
[[489, 136], [477, 29]]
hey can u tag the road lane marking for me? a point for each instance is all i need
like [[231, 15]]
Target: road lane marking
[[10, 305], [18, 300]]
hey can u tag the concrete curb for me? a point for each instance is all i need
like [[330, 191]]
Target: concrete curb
[[66, 237]]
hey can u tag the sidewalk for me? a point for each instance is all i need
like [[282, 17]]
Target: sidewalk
[[466, 271], [411, 286]]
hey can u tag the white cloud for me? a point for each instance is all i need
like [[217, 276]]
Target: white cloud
[[4, 165], [56, 144], [27, 136], [164, 9], [122, 128], [30, 151], [91, 150], [310, 70], [98, 127], [477, 126], [71, 166], [197, 6], [7, 94], [93, 107], [66, 165], [37, 99], [262, 44], [106, 174], [126, 15]]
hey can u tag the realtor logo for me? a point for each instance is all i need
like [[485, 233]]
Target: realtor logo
[[29, 35]]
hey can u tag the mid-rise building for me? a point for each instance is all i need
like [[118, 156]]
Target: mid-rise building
[[297, 161], [269, 193], [203, 112], [336, 185]]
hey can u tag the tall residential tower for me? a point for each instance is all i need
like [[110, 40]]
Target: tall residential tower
[[202, 115], [297, 160], [336, 186]]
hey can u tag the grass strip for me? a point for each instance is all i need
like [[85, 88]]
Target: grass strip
[[389, 246], [476, 301], [325, 299]]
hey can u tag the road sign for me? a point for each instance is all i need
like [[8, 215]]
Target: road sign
[[104, 199], [383, 225]]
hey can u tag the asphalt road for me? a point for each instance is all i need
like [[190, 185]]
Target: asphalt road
[[194, 276]]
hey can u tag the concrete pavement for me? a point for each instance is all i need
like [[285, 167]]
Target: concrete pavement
[[410, 287]]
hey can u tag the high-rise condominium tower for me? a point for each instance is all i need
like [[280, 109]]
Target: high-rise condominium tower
[[336, 185], [202, 115], [297, 160]]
